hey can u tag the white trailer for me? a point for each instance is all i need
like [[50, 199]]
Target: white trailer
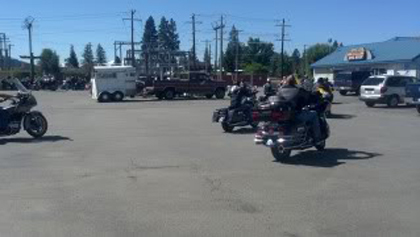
[[113, 83]]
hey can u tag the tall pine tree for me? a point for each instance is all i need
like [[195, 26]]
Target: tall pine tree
[[149, 42], [100, 55], [207, 59], [72, 61], [233, 50], [88, 59]]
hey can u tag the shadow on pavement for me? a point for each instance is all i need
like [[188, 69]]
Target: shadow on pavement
[[341, 116], [245, 131], [34, 140], [330, 157]]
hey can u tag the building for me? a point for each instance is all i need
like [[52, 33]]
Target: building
[[397, 56]]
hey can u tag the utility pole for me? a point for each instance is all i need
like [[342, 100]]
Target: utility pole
[[216, 29], [222, 27], [133, 56], [208, 49], [283, 39], [194, 45], [10, 56], [28, 23], [305, 54]]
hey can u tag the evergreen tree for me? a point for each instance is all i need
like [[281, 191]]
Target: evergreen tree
[[173, 36], [72, 61], [207, 60], [258, 52], [149, 42], [88, 59], [163, 35], [49, 62], [233, 49], [295, 61], [100, 55]]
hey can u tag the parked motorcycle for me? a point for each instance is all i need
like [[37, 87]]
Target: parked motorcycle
[[20, 114], [283, 133], [230, 119]]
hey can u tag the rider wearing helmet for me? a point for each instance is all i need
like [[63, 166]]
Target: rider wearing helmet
[[269, 89], [301, 98], [239, 94]]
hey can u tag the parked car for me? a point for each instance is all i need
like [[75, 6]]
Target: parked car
[[413, 92], [346, 82], [385, 89]]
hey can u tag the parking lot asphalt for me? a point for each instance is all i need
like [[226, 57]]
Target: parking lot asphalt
[[161, 168]]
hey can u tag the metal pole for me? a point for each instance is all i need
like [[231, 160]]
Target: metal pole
[[31, 55], [133, 57], [222, 26]]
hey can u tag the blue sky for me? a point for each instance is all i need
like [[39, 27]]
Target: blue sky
[[61, 23]]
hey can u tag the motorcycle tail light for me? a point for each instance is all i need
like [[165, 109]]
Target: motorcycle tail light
[[255, 116], [280, 115]]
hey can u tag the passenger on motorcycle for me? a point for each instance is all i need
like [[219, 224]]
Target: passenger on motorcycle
[[3, 113], [269, 89], [301, 98], [238, 97]]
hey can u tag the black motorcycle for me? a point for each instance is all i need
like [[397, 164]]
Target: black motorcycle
[[19, 114], [240, 117], [283, 133]]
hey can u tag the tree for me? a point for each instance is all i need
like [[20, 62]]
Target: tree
[[149, 42], [163, 34], [100, 55], [258, 55], [173, 36], [233, 49], [49, 62], [117, 60], [72, 60], [295, 61], [207, 60], [317, 52], [88, 58]]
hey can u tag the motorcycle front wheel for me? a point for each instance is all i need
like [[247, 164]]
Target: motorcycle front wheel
[[36, 124], [281, 155]]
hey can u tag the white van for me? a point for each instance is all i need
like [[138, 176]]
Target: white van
[[385, 89], [113, 83]]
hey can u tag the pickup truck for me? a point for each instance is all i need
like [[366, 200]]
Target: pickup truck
[[413, 91], [199, 84], [346, 82]]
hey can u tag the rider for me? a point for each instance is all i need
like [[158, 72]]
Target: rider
[[269, 89], [238, 96], [301, 98], [3, 113]]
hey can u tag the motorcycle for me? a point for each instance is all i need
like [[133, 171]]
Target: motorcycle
[[328, 98], [20, 114], [230, 119], [282, 133]]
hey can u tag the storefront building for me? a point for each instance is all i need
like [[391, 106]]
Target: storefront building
[[398, 56]]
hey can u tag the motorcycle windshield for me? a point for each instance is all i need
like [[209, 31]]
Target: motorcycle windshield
[[19, 86]]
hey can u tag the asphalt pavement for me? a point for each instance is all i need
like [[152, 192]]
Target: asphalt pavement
[[161, 168]]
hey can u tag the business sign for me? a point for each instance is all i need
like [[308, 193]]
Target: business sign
[[358, 54]]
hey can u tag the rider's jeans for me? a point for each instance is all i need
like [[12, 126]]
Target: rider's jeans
[[3, 118], [311, 117]]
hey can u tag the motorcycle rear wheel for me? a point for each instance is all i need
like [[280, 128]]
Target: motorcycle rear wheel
[[227, 128], [281, 155]]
